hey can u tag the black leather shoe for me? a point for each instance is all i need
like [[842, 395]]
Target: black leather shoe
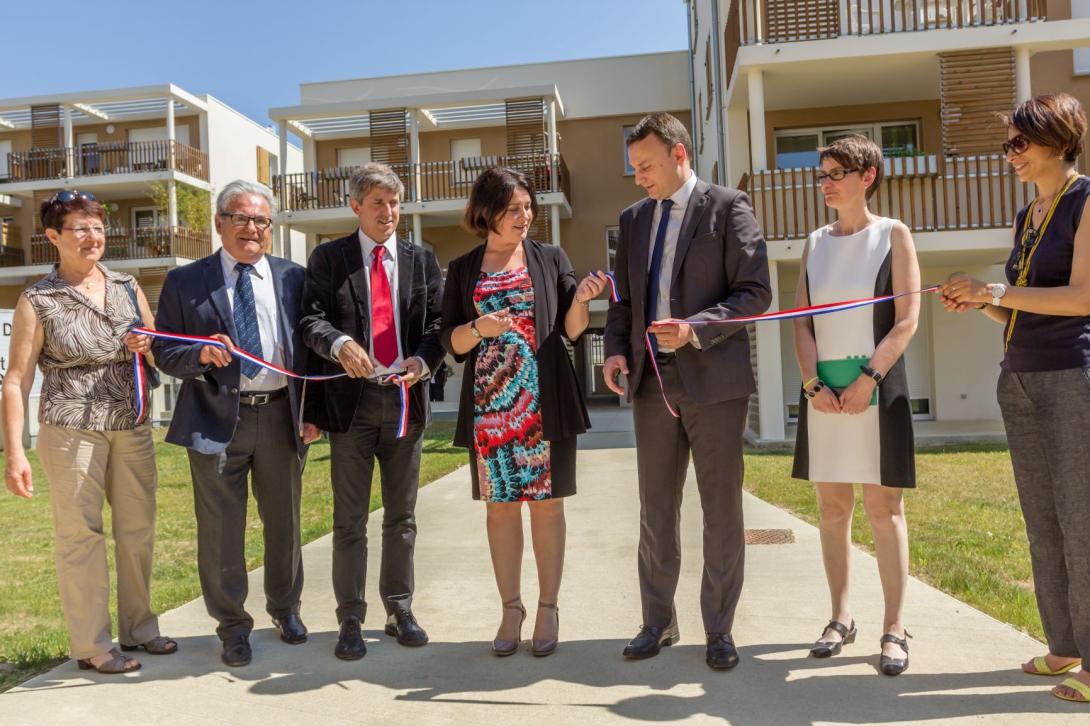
[[722, 655], [292, 630], [237, 651], [402, 623], [894, 666], [350, 644], [650, 640]]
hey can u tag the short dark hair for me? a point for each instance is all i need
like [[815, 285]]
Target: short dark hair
[[668, 129], [490, 196], [856, 152], [1054, 120], [53, 212]]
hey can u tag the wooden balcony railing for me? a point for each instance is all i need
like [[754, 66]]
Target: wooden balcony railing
[[107, 158], [136, 244], [928, 194], [11, 246], [785, 21], [427, 181]]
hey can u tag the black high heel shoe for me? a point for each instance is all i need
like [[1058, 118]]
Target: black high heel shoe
[[826, 649], [503, 648], [894, 666]]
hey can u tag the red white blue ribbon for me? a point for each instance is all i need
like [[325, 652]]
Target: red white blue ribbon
[[141, 387], [614, 293], [393, 378], [804, 312]]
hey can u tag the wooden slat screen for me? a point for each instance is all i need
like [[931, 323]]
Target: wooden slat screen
[[790, 20], [264, 174], [390, 136], [975, 85], [45, 126], [541, 228], [525, 126]]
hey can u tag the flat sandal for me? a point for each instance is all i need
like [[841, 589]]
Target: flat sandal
[[826, 648]]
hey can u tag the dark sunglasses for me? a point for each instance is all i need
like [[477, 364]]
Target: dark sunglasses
[[66, 196], [1017, 144]]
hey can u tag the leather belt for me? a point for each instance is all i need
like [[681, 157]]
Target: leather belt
[[664, 356], [262, 397]]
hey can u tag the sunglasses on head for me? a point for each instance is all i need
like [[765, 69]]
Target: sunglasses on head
[[66, 196], [1018, 144]]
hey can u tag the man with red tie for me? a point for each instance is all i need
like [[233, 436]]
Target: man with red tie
[[371, 306]]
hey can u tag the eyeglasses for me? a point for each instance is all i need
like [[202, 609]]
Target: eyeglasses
[[241, 220], [834, 174], [81, 231], [65, 196], [1017, 144]]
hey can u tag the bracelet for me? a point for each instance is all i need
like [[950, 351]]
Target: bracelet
[[878, 377], [815, 390], [473, 330], [981, 306], [810, 382]]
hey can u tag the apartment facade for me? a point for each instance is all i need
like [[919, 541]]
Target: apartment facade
[[561, 123], [773, 80], [154, 157]]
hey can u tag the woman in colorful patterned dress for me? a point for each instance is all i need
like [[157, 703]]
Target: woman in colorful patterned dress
[[507, 307]]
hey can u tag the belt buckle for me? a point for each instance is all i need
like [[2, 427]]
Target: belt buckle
[[258, 399]]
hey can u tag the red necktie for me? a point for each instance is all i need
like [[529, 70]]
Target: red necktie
[[383, 333]]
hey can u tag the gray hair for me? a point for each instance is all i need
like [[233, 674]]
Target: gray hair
[[371, 175], [241, 186]]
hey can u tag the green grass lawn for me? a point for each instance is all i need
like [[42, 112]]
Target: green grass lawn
[[965, 529], [32, 633]]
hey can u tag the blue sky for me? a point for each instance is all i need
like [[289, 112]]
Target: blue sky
[[253, 55]]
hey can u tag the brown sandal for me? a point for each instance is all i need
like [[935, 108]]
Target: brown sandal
[[118, 664], [159, 645]]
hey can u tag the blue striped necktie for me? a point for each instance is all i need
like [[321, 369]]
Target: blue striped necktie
[[651, 302], [245, 313]]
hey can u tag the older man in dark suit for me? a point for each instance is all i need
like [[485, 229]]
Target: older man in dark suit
[[691, 251], [371, 307], [238, 419]]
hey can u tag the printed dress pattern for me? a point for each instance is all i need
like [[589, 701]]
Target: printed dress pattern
[[513, 457]]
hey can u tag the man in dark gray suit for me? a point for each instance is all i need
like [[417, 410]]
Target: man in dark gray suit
[[691, 251], [238, 419]]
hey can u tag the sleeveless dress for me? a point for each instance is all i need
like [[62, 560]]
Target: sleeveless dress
[[876, 446], [512, 460]]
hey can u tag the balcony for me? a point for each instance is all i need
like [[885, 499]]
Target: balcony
[[11, 250], [786, 21], [927, 193], [428, 181], [137, 244], [106, 159]]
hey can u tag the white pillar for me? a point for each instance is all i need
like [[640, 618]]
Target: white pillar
[[418, 230], [172, 135], [414, 160], [554, 161], [282, 162], [172, 205], [554, 223], [758, 148], [69, 144], [310, 155], [1022, 76], [769, 371]]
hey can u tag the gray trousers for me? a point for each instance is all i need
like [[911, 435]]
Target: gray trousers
[[263, 449], [1047, 417], [713, 433], [373, 435]]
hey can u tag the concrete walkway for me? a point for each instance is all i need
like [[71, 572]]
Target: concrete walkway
[[964, 664]]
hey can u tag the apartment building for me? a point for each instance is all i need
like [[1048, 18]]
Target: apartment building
[[154, 156], [774, 79], [562, 123]]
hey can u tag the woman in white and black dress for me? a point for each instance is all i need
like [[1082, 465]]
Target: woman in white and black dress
[[855, 417]]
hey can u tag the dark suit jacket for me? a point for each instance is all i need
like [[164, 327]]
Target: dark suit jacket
[[720, 272], [194, 302], [563, 412], [336, 302]]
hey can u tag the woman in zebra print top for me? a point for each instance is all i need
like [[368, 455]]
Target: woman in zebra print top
[[73, 325]]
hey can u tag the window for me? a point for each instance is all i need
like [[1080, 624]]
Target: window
[[797, 148], [466, 155], [613, 238], [357, 156], [626, 130], [1081, 9], [5, 149]]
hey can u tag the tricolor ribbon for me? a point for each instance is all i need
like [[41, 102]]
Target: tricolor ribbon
[[141, 387], [803, 312], [138, 369], [614, 294]]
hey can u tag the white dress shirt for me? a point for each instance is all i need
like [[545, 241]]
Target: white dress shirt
[[669, 247], [272, 343], [389, 266]]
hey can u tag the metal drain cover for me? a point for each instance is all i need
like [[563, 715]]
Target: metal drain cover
[[769, 536]]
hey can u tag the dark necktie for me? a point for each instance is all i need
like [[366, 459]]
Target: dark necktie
[[383, 332], [650, 306], [245, 313]]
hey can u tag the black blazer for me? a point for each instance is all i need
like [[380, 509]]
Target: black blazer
[[336, 302], [563, 411], [194, 302], [720, 272]]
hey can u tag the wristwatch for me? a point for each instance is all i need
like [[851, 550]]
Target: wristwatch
[[473, 329], [998, 291], [878, 377]]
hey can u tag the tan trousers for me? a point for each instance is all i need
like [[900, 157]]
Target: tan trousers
[[84, 468]]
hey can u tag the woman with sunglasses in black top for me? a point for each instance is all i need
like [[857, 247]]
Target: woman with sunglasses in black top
[[1044, 385]]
